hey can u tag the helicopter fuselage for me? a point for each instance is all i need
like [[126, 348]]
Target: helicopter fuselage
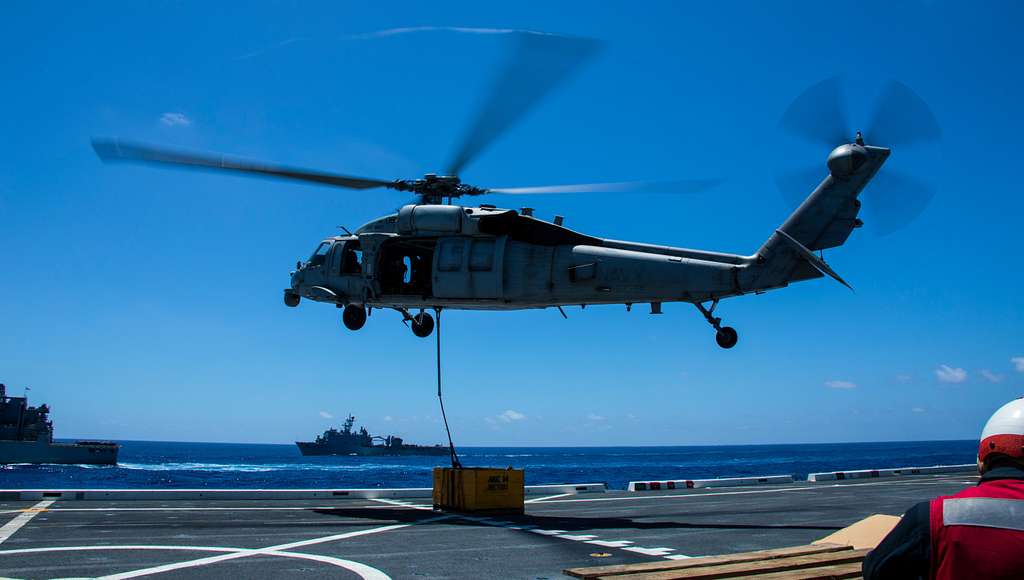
[[432, 256], [485, 258]]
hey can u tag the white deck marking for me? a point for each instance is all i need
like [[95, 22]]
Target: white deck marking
[[547, 532], [23, 518], [540, 499], [677, 495], [269, 550], [650, 551], [363, 570], [215, 508], [610, 543], [576, 537], [129, 547], [400, 503], [561, 534], [747, 492]]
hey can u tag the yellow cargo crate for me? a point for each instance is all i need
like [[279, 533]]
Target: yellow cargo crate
[[478, 490]]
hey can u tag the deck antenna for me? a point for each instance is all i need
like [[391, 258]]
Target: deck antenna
[[456, 464]]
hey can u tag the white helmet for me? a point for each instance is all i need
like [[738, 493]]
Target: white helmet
[[1004, 432]]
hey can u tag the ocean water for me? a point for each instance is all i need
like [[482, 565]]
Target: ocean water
[[150, 464]]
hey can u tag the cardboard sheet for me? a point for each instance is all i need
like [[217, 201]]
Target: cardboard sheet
[[866, 533]]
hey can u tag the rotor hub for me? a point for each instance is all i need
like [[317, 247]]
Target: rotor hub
[[845, 160], [433, 188]]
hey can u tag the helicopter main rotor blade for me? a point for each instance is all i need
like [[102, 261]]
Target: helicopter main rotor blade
[[679, 186], [819, 115], [536, 64], [115, 150], [902, 118]]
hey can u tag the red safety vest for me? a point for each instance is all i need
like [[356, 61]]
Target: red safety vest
[[979, 532]]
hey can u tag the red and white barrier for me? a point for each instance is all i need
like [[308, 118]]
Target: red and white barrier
[[898, 472], [699, 483], [264, 494]]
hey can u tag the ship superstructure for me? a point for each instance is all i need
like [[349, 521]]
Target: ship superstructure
[[26, 436], [346, 441]]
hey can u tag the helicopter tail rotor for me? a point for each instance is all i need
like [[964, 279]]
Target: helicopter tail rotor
[[900, 118], [903, 118], [819, 115]]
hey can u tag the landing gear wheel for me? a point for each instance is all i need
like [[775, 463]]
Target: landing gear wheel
[[353, 316], [291, 299], [422, 324], [726, 337]]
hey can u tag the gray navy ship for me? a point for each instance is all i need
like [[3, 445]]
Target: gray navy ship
[[349, 442], [26, 436]]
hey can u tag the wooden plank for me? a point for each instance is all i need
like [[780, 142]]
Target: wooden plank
[[753, 568], [837, 572], [622, 569]]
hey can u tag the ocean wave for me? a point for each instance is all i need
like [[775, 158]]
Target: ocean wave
[[267, 467], [52, 466]]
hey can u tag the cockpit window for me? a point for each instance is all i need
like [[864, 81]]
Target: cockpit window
[[320, 254]]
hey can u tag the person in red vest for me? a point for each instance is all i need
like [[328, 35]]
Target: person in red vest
[[977, 533]]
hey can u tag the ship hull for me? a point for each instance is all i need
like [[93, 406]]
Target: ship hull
[[62, 453], [313, 449]]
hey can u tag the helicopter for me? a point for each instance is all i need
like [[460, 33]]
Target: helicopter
[[435, 254]]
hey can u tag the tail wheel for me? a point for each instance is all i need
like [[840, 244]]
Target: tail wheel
[[422, 324], [354, 317], [726, 337]]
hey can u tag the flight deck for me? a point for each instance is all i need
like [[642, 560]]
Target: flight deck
[[402, 537]]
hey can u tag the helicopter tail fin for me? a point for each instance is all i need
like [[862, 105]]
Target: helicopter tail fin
[[824, 220]]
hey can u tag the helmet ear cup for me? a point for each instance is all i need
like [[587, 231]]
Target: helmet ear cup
[[1007, 445], [1004, 433]]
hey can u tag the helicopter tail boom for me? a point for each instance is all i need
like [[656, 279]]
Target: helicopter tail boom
[[824, 220]]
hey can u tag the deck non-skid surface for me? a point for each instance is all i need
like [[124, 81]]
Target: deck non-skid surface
[[405, 539]]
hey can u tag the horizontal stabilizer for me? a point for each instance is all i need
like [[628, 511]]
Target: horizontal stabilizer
[[814, 260]]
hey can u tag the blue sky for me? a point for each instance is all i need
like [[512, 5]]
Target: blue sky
[[143, 303]]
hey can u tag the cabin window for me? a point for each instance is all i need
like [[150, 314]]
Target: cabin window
[[450, 255], [352, 258], [481, 255]]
